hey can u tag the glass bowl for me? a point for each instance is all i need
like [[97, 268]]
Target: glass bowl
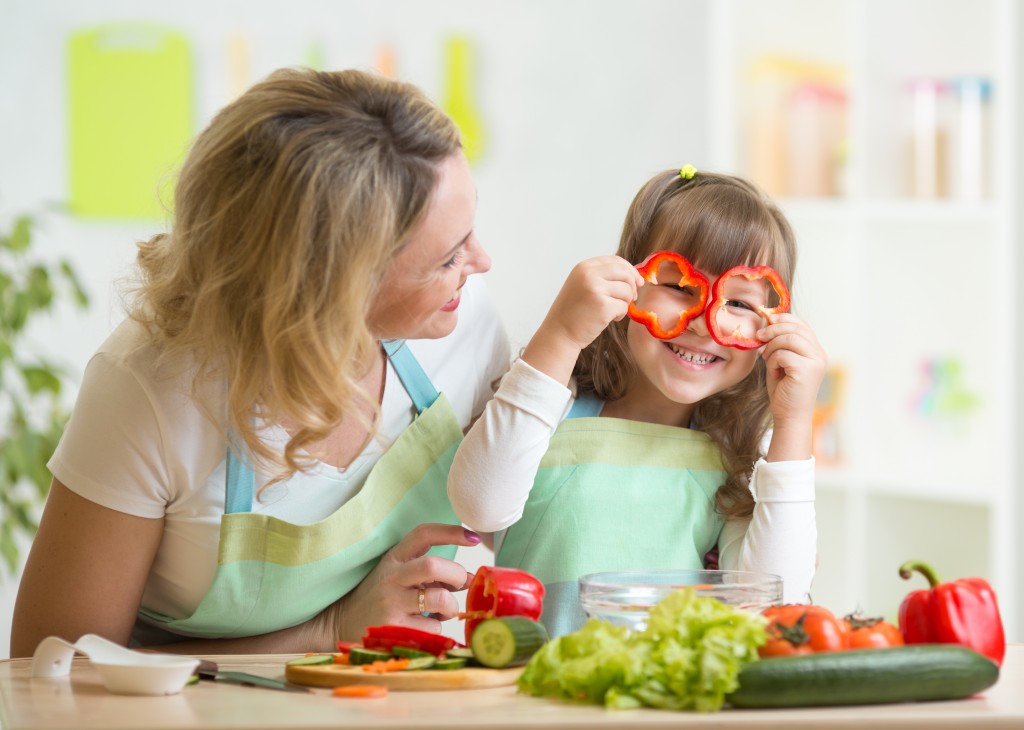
[[625, 598]]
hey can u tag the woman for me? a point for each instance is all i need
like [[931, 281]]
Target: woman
[[256, 459]]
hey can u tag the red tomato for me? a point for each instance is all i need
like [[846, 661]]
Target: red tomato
[[798, 629], [872, 633]]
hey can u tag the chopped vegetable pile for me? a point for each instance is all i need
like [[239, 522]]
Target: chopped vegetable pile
[[688, 658]]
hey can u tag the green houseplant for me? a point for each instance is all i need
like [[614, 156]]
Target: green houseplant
[[32, 415]]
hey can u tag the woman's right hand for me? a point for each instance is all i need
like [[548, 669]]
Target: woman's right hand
[[390, 594], [596, 293]]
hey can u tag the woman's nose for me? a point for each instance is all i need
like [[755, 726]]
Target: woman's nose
[[478, 261]]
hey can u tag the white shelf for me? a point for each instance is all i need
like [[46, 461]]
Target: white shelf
[[914, 298]]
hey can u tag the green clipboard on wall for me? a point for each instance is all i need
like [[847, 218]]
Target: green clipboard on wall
[[130, 105]]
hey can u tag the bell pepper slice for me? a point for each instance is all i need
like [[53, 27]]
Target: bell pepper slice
[[959, 612], [497, 592], [689, 276], [719, 300], [386, 638]]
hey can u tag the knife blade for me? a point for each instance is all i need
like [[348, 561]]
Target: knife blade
[[210, 671]]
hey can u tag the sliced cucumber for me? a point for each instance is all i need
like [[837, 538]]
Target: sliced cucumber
[[410, 653], [459, 652], [422, 662], [359, 655], [449, 664], [312, 660], [507, 641]]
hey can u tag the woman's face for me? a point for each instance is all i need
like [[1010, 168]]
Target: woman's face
[[419, 296]]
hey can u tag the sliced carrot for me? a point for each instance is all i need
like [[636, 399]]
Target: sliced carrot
[[360, 690], [342, 659], [386, 665]]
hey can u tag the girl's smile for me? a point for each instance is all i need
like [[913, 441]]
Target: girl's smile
[[692, 358]]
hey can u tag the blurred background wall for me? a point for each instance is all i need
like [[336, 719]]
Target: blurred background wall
[[570, 106]]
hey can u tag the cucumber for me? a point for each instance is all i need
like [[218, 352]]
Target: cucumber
[[915, 673], [507, 641], [311, 660], [359, 655], [422, 662], [409, 653], [449, 664], [463, 653]]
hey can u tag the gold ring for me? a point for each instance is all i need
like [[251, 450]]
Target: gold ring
[[421, 605]]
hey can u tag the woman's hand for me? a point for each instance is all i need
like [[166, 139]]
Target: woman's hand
[[390, 594], [597, 292], [795, 368]]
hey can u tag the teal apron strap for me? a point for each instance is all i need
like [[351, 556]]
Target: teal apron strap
[[586, 405], [240, 479], [415, 381], [240, 483]]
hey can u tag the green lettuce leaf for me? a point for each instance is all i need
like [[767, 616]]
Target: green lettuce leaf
[[688, 658]]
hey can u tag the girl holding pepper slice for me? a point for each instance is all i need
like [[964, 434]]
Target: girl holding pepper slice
[[627, 437]]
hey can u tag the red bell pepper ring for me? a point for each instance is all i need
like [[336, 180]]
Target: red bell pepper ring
[[959, 612], [689, 276], [502, 592], [386, 638], [719, 300]]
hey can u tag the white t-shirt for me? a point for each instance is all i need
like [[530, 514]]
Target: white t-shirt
[[137, 443], [495, 466]]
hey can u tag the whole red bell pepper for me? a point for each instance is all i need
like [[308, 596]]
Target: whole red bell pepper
[[959, 612], [688, 276], [719, 300], [497, 592]]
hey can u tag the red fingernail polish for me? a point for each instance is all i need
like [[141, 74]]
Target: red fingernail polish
[[472, 536]]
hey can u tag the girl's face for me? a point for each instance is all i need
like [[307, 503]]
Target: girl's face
[[675, 375], [419, 296]]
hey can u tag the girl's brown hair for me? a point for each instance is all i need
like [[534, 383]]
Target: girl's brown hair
[[286, 212], [717, 222]]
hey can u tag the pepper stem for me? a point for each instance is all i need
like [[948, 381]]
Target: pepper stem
[[908, 568]]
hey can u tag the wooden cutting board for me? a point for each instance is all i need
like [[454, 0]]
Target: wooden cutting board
[[414, 680]]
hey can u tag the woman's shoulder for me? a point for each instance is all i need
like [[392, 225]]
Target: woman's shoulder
[[130, 361]]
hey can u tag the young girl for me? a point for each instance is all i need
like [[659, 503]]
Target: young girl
[[607, 448]]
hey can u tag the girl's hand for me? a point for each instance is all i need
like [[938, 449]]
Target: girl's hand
[[390, 594], [597, 292], [795, 368]]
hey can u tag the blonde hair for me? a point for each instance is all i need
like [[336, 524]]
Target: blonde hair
[[288, 209], [717, 222]]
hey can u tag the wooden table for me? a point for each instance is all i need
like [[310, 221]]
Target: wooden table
[[80, 701]]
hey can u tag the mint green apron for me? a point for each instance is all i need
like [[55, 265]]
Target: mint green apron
[[612, 494], [272, 574]]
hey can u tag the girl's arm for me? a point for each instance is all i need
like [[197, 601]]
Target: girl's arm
[[782, 535], [497, 462]]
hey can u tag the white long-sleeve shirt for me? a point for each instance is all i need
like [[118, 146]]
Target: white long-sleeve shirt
[[496, 464]]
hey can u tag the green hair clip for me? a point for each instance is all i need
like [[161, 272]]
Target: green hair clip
[[687, 172]]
